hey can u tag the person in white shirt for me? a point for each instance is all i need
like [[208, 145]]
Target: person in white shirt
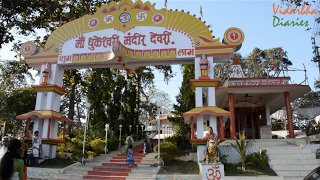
[[4, 147]]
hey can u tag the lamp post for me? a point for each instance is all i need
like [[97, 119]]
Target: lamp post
[[137, 127], [85, 130], [120, 128], [130, 126], [142, 126], [163, 132], [159, 104], [106, 148]]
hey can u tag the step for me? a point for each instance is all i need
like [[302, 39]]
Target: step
[[306, 167], [140, 178], [296, 156], [108, 173], [254, 178], [294, 178], [69, 176], [124, 157], [293, 173], [286, 150], [296, 162], [117, 164], [115, 168], [141, 174], [134, 154], [105, 177], [136, 160]]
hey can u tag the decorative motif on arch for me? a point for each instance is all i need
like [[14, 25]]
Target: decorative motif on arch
[[146, 25]]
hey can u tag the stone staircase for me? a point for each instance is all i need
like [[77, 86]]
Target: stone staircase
[[112, 166], [288, 160]]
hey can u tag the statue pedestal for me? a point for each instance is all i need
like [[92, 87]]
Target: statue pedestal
[[211, 171]]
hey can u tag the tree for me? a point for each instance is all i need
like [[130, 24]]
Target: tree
[[15, 97], [17, 102], [149, 104], [25, 17], [241, 146], [269, 62], [185, 102]]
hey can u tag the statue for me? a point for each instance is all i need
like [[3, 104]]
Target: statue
[[204, 65], [46, 73], [115, 45], [212, 153]]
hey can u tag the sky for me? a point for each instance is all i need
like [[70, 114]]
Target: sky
[[255, 19]]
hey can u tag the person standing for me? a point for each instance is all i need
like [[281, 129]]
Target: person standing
[[4, 148], [12, 166], [129, 141], [37, 147], [129, 157], [30, 154], [146, 147]]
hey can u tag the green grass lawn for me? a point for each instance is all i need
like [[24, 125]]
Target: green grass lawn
[[232, 170], [56, 163], [190, 167]]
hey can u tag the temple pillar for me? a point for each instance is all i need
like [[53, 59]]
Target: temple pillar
[[289, 113], [192, 127], [232, 117], [213, 123], [211, 96], [221, 127], [268, 119]]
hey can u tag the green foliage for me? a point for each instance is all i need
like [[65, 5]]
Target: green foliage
[[274, 136], [172, 139], [167, 151], [241, 147], [113, 144], [185, 102], [98, 145], [259, 62], [223, 158], [258, 159]]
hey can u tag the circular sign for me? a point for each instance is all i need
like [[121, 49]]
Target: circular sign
[[233, 36], [157, 18], [124, 17], [93, 22], [141, 16], [108, 19], [28, 48]]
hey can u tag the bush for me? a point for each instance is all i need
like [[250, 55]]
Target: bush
[[259, 160], [167, 151], [274, 136], [173, 139], [97, 145], [113, 144]]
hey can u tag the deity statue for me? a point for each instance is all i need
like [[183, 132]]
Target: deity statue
[[115, 45], [46, 73], [204, 65]]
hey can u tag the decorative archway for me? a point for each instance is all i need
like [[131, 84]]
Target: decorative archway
[[124, 35]]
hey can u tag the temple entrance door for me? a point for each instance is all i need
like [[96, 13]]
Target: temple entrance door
[[248, 120]]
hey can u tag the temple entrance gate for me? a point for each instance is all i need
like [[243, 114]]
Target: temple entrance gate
[[127, 35]]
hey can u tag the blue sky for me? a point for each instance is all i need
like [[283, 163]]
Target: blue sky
[[255, 19]]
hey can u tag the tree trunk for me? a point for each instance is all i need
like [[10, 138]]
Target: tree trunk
[[71, 107]]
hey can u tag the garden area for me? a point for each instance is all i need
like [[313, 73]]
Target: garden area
[[254, 164]]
